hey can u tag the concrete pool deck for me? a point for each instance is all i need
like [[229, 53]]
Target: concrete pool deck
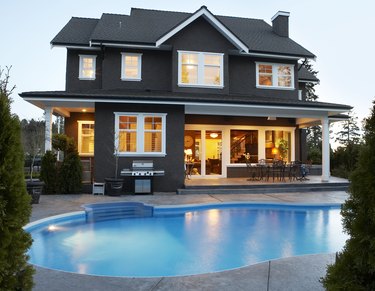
[[295, 273]]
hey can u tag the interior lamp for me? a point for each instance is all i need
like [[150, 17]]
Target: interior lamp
[[214, 135], [188, 153], [275, 151]]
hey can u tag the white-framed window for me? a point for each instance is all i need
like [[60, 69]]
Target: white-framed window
[[200, 69], [140, 134], [86, 131], [87, 67], [131, 67], [275, 76]]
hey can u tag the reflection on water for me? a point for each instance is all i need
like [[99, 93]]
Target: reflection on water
[[197, 242]]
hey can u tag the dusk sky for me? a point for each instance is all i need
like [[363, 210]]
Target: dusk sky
[[339, 33]]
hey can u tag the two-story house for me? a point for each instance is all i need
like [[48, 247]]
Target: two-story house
[[168, 86]]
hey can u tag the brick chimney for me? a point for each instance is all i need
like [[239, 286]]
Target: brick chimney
[[280, 23]]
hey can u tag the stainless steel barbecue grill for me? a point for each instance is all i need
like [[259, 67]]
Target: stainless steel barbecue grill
[[142, 171]]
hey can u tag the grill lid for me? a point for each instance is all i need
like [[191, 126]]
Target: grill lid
[[142, 165]]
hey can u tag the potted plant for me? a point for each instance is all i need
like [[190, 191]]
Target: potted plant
[[114, 185], [283, 149]]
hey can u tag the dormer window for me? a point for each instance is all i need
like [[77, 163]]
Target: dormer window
[[87, 67], [275, 76], [131, 65], [200, 69]]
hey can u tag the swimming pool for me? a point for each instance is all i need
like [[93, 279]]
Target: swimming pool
[[185, 240]]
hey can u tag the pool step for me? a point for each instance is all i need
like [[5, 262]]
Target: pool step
[[262, 189], [116, 210]]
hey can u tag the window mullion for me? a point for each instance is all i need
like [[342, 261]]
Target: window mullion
[[201, 69], [140, 133], [275, 77]]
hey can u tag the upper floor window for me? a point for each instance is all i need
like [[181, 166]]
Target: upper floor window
[[140, 133], [86, 137], [280, 76], [131, 65], [200, 69], [87, 67]]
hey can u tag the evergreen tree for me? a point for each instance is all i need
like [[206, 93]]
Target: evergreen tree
[[48, 173], [310, 86], [349, 133], [314, 133], [15, 208], [354, 268], [70, 171], [32, 140]]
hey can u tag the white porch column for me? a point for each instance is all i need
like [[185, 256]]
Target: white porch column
[[325, 149], [48, 131]]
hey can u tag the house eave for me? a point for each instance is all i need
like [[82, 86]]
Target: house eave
[[195, 107]]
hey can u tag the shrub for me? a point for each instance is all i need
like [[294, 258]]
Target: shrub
[[48, 173], [354, 268], [70, 172], [315, 155], [15, 208]]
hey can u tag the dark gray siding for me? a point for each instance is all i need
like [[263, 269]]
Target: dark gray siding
[[72, 71], [172, 163], [71, 124], [242, 78], [203, 37], [156, 70]]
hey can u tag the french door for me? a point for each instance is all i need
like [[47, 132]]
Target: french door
[[204, 149]]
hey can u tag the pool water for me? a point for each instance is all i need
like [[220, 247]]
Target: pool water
[[186, 242]]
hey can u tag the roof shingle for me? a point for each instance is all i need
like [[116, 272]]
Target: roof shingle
[[147, 26]]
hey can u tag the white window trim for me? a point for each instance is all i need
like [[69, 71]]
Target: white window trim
[[80, 122], [200, 83], [140, 134], [274, 76], [81, 57], [123, 77]]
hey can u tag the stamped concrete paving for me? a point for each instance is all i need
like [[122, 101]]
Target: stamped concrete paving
[[296, 273]]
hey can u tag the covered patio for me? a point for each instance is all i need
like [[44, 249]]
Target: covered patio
[[203, 111]]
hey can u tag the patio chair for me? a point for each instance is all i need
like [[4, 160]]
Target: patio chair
[[295, 170], [278, 170], [264, 170], [252, 169]]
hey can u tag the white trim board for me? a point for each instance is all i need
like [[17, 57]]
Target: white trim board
[[203, 11]]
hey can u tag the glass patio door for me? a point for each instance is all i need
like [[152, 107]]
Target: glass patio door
[[203, 152], [213, 152]]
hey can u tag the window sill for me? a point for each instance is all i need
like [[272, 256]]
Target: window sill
[[86, 79], [275, 88], [201, 86], [128, 79], [86, 155], [142, 155]]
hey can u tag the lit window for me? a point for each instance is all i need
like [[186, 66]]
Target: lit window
[[242, 143], [131, 65], [86, 131], [275, 76], [140, 133], [200, 69], [87, 67], [278, 145]]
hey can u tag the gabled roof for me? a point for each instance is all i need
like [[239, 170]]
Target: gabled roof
[[204, 12], [153, 27]]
